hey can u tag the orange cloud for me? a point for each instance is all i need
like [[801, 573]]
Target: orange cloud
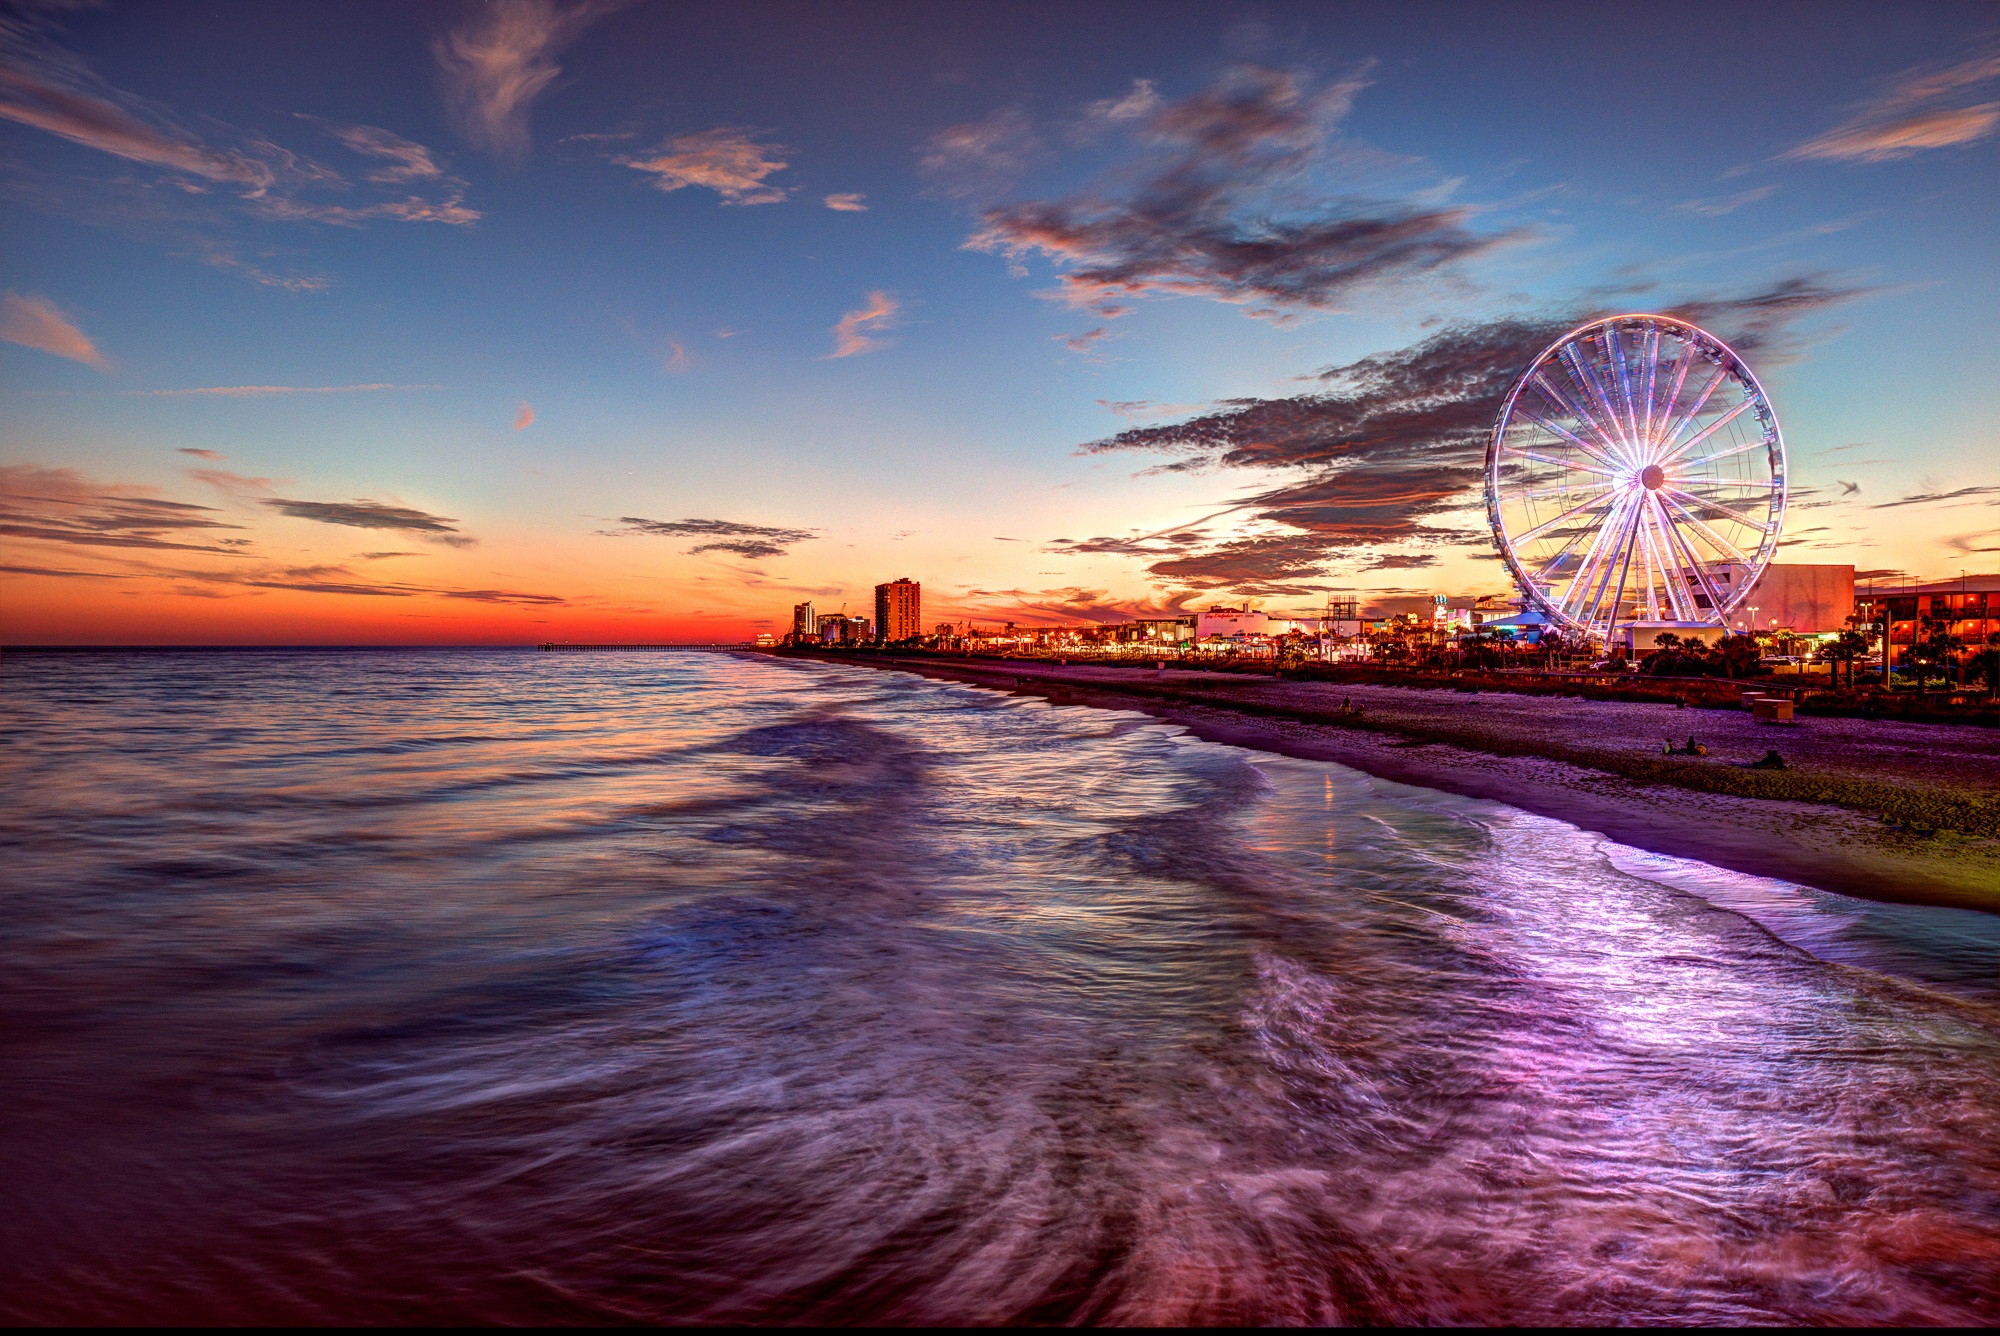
[[259, 391], [34, 322], [411, 210], [99, 124], [524, 417], [1899, 139], [726, 160], [848, 338], [846, 203], [1908, 118], [412, 161], [496, 65]]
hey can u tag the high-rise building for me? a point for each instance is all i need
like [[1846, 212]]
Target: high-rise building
[[804, 625], [899, 610]]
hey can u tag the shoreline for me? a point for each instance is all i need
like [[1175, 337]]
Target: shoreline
[[1824, 845]]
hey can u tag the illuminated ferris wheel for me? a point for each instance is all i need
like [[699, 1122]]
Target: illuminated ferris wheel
[[1636, 475]]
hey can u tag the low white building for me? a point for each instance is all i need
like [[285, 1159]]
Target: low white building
[[1239, 622]]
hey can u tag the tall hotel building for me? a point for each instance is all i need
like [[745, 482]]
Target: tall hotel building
[[804, 625], [899, 610]]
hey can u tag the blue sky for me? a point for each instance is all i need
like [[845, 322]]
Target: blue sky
[[190, 208]]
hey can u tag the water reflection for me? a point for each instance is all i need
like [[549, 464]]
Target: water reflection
[[495, 987]]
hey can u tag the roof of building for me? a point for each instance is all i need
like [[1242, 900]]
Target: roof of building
[[1967, 584]]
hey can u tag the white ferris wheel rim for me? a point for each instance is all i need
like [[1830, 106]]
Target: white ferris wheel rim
[[1665, 532]]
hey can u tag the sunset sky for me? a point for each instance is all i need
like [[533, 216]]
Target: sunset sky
[[492, 323]]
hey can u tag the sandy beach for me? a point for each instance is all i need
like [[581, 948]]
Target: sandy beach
[[1599, 765]]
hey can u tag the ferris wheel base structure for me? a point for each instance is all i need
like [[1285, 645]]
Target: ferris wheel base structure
[[1636, 478]]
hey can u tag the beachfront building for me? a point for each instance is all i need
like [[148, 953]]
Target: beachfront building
[[1800, 597], [1244, 621], [837, 628], [805, 627], [1966, 609], [899, 610]]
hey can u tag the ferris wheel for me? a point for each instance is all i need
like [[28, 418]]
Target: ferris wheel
[[1636, 474]]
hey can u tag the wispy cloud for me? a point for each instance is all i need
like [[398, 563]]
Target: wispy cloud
[[1214, 212], [414, 209], [410, 161], [1935, 498], [524, 417], [235, 484], [1727, 204], [1135, 409], [980, 159], [1923, 109], [1136, 104], [496, 64], [677, 358], [365, 514], [851, 335], [201, 454], [318, 580], [61, 505], [96, 121], [45, 86], [63, 574], [727, 160], [260, 391], [1082, 343], [847, 203], [750, 541], [35, 322]]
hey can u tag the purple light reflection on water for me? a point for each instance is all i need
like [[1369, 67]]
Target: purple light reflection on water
[[479, 987]]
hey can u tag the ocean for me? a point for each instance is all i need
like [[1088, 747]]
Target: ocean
[[503, 987]]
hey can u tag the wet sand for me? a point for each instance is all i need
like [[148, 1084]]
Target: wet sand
[[1834, 848]]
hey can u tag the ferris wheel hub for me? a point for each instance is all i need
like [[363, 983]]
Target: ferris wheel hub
[[1652, 477]]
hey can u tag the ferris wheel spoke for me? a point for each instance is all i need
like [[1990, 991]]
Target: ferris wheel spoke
[[1546, 525], [1652, 356], [1736, 515], [1701, 401], [1594, 559], [1659, 559], [1707, 431], [1680, 585], [1557, 429], [1721, 544], [1747, 484], [1559, 463], [1654, 440], [1598, 398], [1545, 571], [1568, 403], [1621, 558], [1695, 564], [1614, 338], [1745, 448], [1687, 567], [1564, 490]]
